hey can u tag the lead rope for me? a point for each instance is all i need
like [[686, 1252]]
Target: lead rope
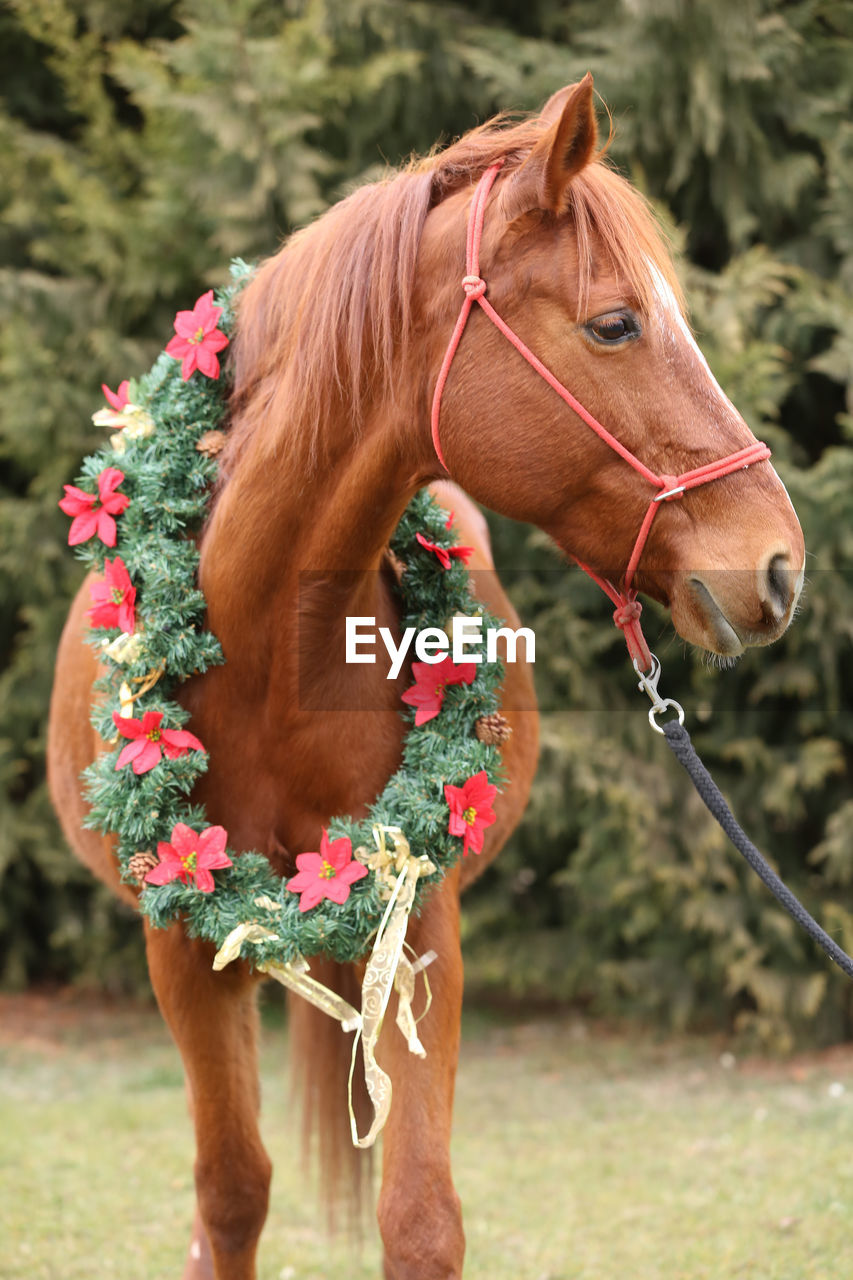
[[678, 741]]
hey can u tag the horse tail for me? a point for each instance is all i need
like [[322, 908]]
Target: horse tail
[[321, 1054]]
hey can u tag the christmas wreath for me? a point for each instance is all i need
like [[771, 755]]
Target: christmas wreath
[[136, 501]]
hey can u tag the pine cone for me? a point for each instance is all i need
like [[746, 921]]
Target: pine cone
[[141, 863], [211, 443], [493, 729]]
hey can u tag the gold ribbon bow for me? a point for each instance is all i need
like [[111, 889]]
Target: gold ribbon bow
[[387, 968]]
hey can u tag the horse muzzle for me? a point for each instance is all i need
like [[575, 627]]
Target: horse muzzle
[[727, 611]]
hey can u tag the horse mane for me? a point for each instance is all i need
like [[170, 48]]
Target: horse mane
[[331, 312]]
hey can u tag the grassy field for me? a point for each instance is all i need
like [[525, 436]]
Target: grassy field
[[579, 1155]]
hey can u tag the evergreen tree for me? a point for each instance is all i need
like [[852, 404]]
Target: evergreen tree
[[145, 143]]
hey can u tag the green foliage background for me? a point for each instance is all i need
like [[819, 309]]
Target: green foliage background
[[143, 144]]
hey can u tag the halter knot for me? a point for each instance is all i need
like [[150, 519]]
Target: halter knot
[[627, 613], [474, 286], [670, 489]]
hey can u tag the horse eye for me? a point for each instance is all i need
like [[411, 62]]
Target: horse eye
[[615, 327]]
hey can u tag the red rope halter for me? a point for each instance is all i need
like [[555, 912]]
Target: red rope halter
[[669, 487]]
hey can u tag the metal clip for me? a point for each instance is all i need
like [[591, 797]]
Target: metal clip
[[670, 493], [649, 682]]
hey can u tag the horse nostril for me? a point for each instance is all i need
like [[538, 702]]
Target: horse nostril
[[779, 578]]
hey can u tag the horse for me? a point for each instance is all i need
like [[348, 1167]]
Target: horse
[[340, 340]]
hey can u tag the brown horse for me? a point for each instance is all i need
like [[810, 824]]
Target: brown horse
[[339, 341]]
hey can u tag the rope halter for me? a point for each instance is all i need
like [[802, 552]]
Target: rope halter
[[669, 488]]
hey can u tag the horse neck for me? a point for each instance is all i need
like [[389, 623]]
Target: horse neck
[[291, 549]]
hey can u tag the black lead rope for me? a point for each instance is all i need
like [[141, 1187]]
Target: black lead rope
[[679, 741]]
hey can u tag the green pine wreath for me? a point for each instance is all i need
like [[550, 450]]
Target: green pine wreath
[[160, 499]]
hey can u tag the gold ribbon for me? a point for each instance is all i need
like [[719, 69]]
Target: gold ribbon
[[127, 697], [379, 978], [296, 978], [268, 903], [137, 424], [384, 861], [387, 968], [125, 648], [404, 985], [250, 931]]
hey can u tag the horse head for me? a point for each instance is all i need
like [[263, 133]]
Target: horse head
[[573, 267]]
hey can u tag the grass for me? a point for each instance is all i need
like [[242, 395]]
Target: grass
[[579, 1155]]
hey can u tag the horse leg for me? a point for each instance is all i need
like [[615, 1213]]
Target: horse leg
[[420, 1217], [213, 1020]]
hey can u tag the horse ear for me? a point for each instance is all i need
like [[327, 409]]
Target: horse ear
[[556, 104], [542, 182]]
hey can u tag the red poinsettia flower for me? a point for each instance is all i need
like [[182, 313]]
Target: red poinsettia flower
[[471, 810], [149, 741], [118, 399], [197, 338], [431, 680], [190, 857], [89, 518], [444, 553], [327, 874], [113, 598]]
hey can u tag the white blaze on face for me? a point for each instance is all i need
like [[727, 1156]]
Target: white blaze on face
[[674, 325]]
